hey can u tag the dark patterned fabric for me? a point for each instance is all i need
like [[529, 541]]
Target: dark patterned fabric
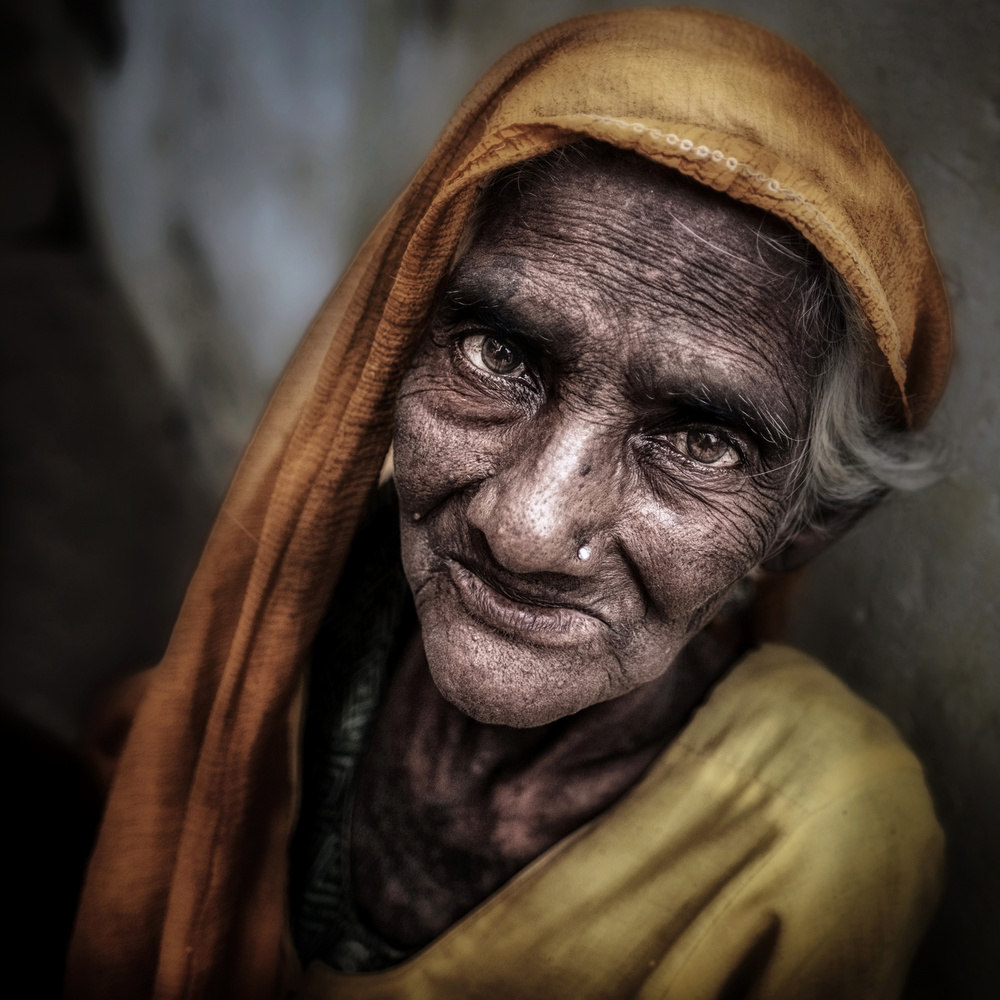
[[370, 618]]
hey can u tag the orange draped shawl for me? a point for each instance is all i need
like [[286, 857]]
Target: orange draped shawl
[[186, 891]]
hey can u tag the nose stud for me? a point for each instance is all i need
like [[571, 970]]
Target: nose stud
[[583, 553]]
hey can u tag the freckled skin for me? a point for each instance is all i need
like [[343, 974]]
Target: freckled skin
[[655, 396]]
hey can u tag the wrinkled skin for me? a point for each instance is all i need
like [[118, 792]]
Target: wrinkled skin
[[594, 444]]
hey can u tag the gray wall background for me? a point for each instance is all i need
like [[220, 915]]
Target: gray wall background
[[246, 147]]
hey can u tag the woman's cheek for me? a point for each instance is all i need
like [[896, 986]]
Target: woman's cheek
[[434, 454], [693, 552]]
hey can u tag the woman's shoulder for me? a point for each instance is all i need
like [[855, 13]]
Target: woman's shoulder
[[819, 816], [782, 720]]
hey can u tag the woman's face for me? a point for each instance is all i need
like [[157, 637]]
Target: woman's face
[[596, 438]]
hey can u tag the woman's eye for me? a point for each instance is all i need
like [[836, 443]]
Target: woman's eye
[[493, 355], [705, 447]]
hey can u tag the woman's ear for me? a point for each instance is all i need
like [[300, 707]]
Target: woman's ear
[[826, 526]]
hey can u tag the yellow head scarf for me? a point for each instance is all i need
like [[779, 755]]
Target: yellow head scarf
[[185, 895]]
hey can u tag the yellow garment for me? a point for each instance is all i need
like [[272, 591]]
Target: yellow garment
[[186, 891], [784, 846]]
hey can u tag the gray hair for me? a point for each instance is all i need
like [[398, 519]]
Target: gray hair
[[855, 453]]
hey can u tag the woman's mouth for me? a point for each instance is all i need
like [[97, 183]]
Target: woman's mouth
[[540, 624]]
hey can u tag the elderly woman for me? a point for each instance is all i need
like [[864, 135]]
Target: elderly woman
[[653, 320]]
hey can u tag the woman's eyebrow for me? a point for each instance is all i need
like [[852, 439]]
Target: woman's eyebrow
[[717, 404], [462, 304], [481, 299]]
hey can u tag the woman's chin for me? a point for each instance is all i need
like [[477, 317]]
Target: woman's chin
[[496, 683], [492, 707]]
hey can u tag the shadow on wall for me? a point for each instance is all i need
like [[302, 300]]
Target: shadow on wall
[[915, 628], [101, 508], [236, 161]]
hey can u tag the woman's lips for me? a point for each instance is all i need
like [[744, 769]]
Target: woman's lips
[[536, 623]]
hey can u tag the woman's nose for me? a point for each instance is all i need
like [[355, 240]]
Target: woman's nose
[[550, 504]]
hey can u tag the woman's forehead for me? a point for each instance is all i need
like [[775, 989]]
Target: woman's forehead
[[610, 227], [651, 278], [573, 181]]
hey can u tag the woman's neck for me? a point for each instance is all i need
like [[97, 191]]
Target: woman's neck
[[448, 809]]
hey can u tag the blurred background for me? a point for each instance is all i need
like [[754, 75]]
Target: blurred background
[[180, 186]]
